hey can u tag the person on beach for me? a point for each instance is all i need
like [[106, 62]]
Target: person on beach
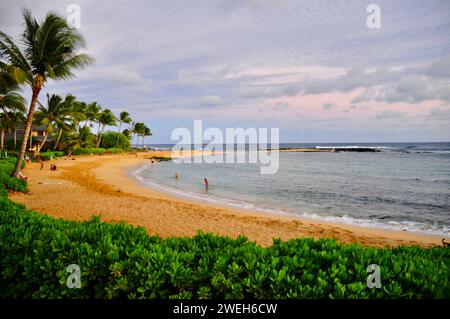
[[27, 159], [39, 159], [205, 180]]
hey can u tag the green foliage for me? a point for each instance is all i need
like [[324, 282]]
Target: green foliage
[[109, 140], [122, 261], [114, 150], [46, 156], [88, 151], [7, 182]]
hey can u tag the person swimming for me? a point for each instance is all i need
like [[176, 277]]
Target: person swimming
[[177, 176]]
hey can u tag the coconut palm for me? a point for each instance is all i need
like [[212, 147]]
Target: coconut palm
[[106, 118], [10, 99], [145, 132], [137, 129], [127, 132], [77, 113], [10, 103], [124, 117], [81, 138], [16, 119], [4, 123], [49, 51], [55, 115], [92, 112]]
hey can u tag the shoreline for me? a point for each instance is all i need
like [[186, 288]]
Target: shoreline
[[248, 207], [104, 185]]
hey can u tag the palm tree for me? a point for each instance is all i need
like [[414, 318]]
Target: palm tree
[[10, 99], [127, 132], [77, 112], [124, 117], [56, 114], [69, 115], [49, 52], [137, 129], [4, 121], [145, 132], [16, 118], [81, 138], [92, 112], [106, 118], [10, 103]]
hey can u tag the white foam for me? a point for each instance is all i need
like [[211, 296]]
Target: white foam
[[353, 146]]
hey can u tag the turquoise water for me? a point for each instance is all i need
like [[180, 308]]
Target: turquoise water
[[398, 189]]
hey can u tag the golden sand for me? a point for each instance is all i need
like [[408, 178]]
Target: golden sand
[[102, 185]]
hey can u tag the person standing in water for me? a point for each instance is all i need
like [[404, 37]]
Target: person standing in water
[[177, 176], [205, 180]]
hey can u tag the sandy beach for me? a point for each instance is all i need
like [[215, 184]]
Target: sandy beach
[[103, 185]]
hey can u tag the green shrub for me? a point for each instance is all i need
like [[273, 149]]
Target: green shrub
[[122, 261], [46, 156], [109, 140], [114, 150], [88, 151], [7, 182]]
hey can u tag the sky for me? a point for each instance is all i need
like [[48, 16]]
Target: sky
[[313, 69]]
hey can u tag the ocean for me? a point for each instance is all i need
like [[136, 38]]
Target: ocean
[[405, 186]]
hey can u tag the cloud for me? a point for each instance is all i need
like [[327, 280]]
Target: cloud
[[416, 89], [275, 107], [440, 114], [211, 100], [328, 106], [388, 114], [240, 56]]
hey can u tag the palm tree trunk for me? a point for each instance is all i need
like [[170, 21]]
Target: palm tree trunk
[[2, 138], [38, 150], [100, 136], [31, 137], [118, 132], [15, 138], [27, 129], [57, 139]]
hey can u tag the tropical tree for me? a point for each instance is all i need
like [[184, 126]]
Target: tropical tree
[[55, 115], [92, 112], [10, 104], [9, 98], [145, 132], [127, 132], [49, 51], [106, 118], [81, 138], [77, 112], [137, 129], [16, 118], [4, 119], [124, 117]]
